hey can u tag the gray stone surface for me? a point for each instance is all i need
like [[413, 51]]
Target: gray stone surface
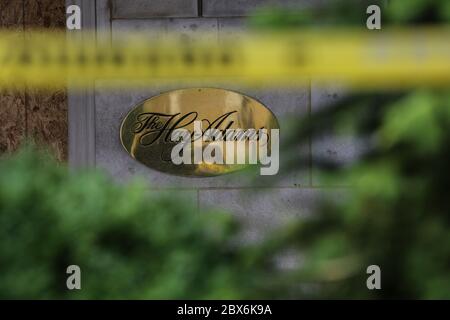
[[190, 30], [325, 94], [186, 29], [263, 211], [113, 105], [237, 8], [342, 148], [138, 9], [231, 28], [262, 204], [154, 29]]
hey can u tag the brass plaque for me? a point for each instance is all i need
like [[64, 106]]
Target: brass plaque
[[146, 130]]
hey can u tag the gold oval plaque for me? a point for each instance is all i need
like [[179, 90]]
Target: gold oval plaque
[[146, 130]]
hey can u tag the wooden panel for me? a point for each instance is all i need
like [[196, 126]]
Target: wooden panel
[[47, 120], [44, 14], [12, 119], [47, 112], [11, 14], [12, 102]]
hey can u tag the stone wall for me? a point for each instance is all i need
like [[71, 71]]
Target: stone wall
[[261, 204]]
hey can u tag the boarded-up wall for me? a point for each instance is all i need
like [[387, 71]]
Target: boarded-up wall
[[39, 116]]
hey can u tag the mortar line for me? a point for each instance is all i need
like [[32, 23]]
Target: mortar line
[[200, 8], [198, 189], [310, 160]]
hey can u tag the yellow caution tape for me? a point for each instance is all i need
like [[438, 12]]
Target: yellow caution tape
[[366, 59]]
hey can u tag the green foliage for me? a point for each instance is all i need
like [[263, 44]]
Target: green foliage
[[396, 214], [353, 13], [396, 211], [127, 242]]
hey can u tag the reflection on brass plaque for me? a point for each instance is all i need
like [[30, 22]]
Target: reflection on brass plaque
[[146, 130]]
